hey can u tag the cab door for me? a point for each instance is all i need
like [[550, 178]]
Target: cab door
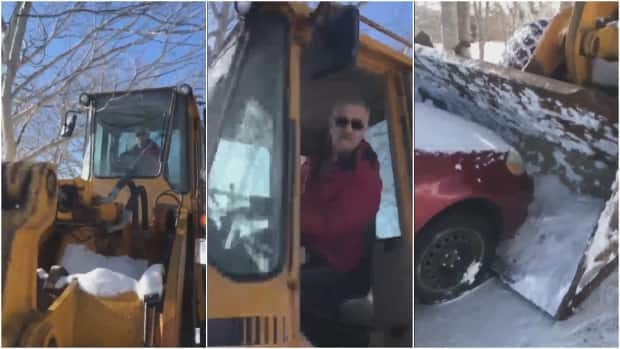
[[392, 251], [251, 158]]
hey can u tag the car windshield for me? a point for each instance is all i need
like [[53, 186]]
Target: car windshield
[[129, 133]]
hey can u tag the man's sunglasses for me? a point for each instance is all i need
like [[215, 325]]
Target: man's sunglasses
[[342, 122]]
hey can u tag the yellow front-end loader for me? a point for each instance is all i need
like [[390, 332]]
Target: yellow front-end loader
[[112, 258]]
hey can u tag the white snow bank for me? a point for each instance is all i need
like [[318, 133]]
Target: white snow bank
[[110, 276], [437, 130]]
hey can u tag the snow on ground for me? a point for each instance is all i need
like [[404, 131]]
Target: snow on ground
[[492, 50], [493, 315], [105, 276]]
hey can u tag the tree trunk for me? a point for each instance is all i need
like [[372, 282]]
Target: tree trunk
[[481, 28], [464, 28], [12, 48], [485, 28], [449, 25]]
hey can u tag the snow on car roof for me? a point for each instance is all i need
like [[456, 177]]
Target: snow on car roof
[[437, 130]]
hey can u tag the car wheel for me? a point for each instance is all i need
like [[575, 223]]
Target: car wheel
[[452, 255]]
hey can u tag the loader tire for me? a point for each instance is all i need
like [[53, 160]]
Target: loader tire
[[521, 45], [453, 254]]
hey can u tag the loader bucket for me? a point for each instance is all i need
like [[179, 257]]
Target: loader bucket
[[567, 136]]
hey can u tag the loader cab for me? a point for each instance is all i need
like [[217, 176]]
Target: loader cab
[[120, 121], [269, 94]]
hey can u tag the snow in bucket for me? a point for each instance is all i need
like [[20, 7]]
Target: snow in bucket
[[105, 276]]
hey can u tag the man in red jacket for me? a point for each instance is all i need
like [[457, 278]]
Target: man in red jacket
[[341, 192], [146, 152]]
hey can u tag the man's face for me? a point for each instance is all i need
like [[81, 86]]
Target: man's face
[[142, 137], [347, 127]]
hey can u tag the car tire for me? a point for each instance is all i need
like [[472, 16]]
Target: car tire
[[453, 254], [521, 45]]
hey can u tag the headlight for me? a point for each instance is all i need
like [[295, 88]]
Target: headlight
[[243, 7], [514, 162], [184, 89], [85, 99]]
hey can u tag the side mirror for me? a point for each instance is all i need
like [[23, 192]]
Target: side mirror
[[68, 123], [335, 40]]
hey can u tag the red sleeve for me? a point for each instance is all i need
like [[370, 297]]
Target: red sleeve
[[352, 210]]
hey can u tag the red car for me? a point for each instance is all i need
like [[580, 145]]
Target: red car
[[471, 189]]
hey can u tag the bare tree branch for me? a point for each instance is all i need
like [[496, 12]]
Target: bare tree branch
[[106, 46], [86, 10]]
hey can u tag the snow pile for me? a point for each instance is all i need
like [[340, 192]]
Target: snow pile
[[387, 217], [541, 261], [79, 259], [439, 131], [492, 315], [151, 282], [110, 276]]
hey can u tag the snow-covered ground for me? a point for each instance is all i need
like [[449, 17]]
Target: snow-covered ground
[[492, 50], [493, 315]]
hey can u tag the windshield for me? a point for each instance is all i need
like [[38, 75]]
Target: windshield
[[129, 133], [246, 178]]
